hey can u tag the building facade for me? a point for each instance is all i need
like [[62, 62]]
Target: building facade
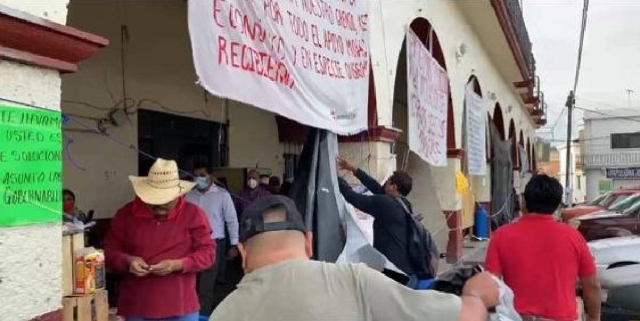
[[578, 180], [138, 97], [550, 166], [611, 150]]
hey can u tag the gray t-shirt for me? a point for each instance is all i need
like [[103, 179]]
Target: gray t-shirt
[[304, 290]]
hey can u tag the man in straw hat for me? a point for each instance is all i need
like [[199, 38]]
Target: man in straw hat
[[159, 242], [282, 283]]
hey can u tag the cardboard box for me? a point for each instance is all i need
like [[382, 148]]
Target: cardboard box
[[70, 244], [90, 307], [89, 272]]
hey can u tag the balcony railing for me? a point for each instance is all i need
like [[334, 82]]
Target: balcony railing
[[611, 160], [522, 36]]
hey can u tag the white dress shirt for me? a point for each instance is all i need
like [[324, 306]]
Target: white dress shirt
[[218, 205]]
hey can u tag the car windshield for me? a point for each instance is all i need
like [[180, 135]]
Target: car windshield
[[633, 208], [599, 199], [608, 200], [628, 201]]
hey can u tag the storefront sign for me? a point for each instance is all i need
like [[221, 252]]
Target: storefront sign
[[605, 185], [304, 60], [428, 92], [475, 133], [623, 173], [30, 166]]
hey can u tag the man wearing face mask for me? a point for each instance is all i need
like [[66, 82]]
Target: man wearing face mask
[[158, 242], [219, 208], [252, 191]]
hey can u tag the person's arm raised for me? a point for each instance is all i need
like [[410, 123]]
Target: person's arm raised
[[369, 182]]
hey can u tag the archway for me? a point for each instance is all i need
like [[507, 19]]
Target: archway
[[423, 198], [521, 138], [513, 139], [498, 120], [529, 153]]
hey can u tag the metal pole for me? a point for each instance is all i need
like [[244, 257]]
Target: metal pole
[[567, 185]]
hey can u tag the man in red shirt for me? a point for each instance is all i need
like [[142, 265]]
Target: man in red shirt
[[541, 259], [159, 242]]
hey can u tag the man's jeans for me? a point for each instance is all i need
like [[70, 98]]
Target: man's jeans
[[187, 317], [207, 279]]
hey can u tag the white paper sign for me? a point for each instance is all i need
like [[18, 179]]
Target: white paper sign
[[476, 133], [306, 60], [428, 91]]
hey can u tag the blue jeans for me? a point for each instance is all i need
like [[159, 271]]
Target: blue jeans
[[186, 317]]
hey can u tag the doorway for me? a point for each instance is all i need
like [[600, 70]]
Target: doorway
[[188, 141]]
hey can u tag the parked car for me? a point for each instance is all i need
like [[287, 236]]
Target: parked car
[[623, 219], [604, 201], [615, 252], [618, 265]]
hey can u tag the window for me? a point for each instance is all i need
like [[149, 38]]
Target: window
[[290, 166], [579, 182], [625, 140]]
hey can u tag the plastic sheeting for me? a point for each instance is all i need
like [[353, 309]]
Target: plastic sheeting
[[315, 192], [337, 235], [502, 204]]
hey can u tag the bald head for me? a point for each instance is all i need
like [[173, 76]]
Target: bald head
[[272, 247]]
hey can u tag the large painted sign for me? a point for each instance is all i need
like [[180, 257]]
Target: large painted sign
[[428, 92], [476, 132], [306, 60], [30, 166]]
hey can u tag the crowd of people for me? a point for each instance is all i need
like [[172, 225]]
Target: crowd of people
[[171, 244]]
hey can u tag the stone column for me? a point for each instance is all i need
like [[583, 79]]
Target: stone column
[[35, 46]]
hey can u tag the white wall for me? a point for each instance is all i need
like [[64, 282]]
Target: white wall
[[597, 141], [387, 31], [159, 67], [30, 264], [579, 190]]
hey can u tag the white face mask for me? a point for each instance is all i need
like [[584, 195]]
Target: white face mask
[[202, 182], [252, 183]]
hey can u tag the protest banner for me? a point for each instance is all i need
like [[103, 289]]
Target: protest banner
[[475, 133], [428, 93], [30, 166], [307, 60]]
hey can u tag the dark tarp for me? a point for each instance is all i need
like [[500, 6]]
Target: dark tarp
[[337, 236], [502, 204], [315, 191]]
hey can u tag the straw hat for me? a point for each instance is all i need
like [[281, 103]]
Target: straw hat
[[162, 185]]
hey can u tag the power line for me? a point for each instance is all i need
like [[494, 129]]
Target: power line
[[583, 28], [558, 119], [602, 103], [571, 101]]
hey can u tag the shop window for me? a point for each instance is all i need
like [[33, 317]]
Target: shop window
[[187, 140], [625, 140], [290, 166]]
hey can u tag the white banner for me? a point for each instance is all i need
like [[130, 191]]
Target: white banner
[[428, 93], [302, 59], [476, 132]]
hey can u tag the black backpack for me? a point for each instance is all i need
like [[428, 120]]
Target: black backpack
[[422, 250]]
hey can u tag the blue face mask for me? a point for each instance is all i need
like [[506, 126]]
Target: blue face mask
[[202, 182]]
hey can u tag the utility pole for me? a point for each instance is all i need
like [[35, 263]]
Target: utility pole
[[571, 101]]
